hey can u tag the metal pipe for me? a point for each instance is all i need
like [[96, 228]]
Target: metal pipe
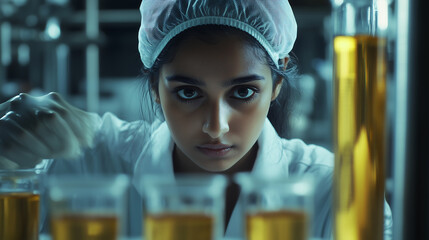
[[5, 52], [2, 78], [411, 210], [49, 67], [92, 56], [62, 55], [5, 43], [401, 115]]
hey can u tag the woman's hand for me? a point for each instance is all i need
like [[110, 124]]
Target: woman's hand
[[36, 128]]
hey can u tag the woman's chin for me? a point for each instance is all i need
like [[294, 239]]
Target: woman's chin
[[217, 166]]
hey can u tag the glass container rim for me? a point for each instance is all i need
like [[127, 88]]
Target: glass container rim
[[337, 3], [27, 171], [249, 182], [184, 179], [85, 183], [212, 184]]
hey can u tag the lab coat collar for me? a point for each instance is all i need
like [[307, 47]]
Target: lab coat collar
[[269, 162]]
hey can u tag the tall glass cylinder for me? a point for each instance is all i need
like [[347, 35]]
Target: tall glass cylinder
[[360, 29]]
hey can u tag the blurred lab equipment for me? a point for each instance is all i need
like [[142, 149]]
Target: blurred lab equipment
[[20, 203], [31, 34], [87, 207], [276, 208], [187, 207], [360, 79]]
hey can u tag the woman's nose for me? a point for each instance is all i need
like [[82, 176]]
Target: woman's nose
[[217, 119]]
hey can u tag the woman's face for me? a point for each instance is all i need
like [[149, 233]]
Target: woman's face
[[215, 98]]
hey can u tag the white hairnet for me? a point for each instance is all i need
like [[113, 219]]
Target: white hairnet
[[270, 22]]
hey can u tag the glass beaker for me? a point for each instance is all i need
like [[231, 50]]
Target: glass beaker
[[276, 208], [360, 70], [87, 207], [186, 207], [20, 203]]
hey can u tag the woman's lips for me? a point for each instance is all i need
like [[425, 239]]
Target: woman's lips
[[215, 150]]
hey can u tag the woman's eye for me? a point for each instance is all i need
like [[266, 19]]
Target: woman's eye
[[188, 93], [243, 93]]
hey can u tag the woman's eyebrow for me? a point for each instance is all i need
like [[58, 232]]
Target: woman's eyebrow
[[184, 79], [245, 79], [193, 81]]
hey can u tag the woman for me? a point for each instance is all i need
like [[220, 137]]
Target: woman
[[216, 69]]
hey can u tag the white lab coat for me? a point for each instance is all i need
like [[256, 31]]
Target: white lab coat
[[140, 148]]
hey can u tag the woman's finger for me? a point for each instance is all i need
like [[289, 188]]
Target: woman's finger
[[4, 108], [45, 127], [7, 164], [80, 122], [62, 141], [11, 144], [26, 137]]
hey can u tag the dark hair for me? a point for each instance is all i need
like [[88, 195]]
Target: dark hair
[[280, 109]]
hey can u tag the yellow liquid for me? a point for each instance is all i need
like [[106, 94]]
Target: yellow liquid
[[84, 227], [280, 225], [179, 227], [19, 216], [359, 136]]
